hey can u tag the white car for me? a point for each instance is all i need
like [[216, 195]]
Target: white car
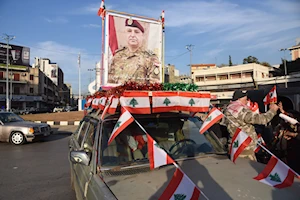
[[58, 109]]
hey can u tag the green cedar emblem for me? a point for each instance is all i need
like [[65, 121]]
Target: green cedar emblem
[[133, 102], [117, 125], [167, 101], [208, 119], [191, 102], [275, 178], [236, 144], [179, 196]]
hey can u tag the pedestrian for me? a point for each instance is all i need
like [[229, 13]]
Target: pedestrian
[[239, 115], [133, 62]]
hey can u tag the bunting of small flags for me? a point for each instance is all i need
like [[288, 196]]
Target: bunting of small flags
[[124, 120], [181, 187], [156, 155], [108, 103], [194, 102], [276, 174], [213, 116], [95, 103], [113, 106], [163, 101], [240, 141], [261, 141], [102, 103], [88, 102], [136, 102]]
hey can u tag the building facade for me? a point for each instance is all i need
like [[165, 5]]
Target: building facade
[[295, 50]]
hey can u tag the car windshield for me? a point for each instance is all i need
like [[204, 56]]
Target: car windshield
[[178, 134], [10, 117]]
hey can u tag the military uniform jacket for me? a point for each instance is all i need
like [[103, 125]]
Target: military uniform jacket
[[139, 66], [242, 116]]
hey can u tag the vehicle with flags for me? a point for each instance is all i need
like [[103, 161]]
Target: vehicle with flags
[[150, 146]]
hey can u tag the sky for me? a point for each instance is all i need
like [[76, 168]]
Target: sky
[[60, 29]]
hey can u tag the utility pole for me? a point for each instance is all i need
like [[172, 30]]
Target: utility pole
[[91, 70], [189, 47], [285, 70], [79, 89], [7, 38]]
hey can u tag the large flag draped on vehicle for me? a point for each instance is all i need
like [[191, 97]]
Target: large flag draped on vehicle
[[261, 141], [164, 101], [136, 102], [156, 155], [194, 101], [181, 187], [276, 174], [240, 141], [124, 120], [271, 97], [213, 116]]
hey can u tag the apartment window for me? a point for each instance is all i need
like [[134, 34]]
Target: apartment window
[[31, 77], [198, 78], [223, 77], [45, 80], [235, 76], [248, 74], [211, 78], [1, 90], [16, 77], [45, 91], [16, 90], [31, 90], [1, 75]]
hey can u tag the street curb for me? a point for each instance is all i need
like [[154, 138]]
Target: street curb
[[60, 123]]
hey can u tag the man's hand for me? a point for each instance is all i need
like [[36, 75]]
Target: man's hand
[[281, 107], [289, 135], [274, 107]]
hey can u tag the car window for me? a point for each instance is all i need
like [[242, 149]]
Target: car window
[[90, 136], [82, 132], [178, 135]]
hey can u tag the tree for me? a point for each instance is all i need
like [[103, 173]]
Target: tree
[[250, 59], [266, 64], [230, 63]]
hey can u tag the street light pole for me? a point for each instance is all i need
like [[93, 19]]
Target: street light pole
[[285, 70], [190, 48], [90, 70], [7, 38], [79, 103]]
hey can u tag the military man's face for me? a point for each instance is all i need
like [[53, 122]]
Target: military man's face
[[134, 36]]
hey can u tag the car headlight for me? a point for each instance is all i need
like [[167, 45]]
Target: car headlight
[[31, 130]]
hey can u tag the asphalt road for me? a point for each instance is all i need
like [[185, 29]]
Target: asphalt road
[[38, 170]]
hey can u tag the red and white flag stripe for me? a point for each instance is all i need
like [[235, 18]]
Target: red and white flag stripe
[[194, 102], [181, 187], [164, 101], [271, 97], [113, 106], [102, 103], [276, 174], [124, 120], [157, 156], [95, 103], [101, 11], [136, 102], [261, 141], [108, 103], [88, 102], [113, 40], [240, 141], [213, 117]]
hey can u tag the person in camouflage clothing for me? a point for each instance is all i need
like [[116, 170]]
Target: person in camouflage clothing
[[133, 63], [239, 114]]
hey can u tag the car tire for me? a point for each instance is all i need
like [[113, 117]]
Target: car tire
[[17, 138]]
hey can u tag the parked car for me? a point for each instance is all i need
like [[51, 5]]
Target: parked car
[[58, 109], [16, 130], [117, 171]]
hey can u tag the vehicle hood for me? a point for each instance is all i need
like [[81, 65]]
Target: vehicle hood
[[26, 124], [216, 176]]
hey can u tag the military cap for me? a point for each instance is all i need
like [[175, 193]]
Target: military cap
[[239, 94], [134, 23]]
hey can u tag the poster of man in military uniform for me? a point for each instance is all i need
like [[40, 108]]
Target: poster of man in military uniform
[[135, 51]]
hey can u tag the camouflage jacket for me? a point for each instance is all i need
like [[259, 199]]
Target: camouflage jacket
[[238, 114], [138, 66]]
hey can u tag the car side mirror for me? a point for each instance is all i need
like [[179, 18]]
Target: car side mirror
[[79, 157]]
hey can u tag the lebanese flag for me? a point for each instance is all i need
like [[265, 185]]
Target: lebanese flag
[[108, 103], [260, 140], [253, 106], [136, 102], [240, 141], [276, 174], [156, 155], [213, 116], [124, 120], [101, 11], [181, 187], [194, 101], [88, 102], [113, 106], [95, 103], [164, 101], [102, 103], [271, 97]]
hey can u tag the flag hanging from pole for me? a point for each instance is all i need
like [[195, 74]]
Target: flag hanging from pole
[[213, 116], [240, 141], [162, 17], [261, 141], [101, 11], [181, 187], [276, 174]]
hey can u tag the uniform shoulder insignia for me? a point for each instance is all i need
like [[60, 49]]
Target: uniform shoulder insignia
[[149, 52], [121, 49]]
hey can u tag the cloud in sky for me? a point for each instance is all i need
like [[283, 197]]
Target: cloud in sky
[[66, 57], [57, 20], [91, 26]]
